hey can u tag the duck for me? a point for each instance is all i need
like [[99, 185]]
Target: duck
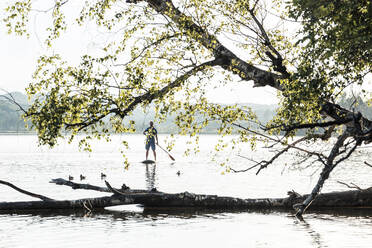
[[124, 187], [82, 177], [178, 173], [70, 178]]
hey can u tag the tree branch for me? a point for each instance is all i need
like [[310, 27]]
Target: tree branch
[[12, 100], [365, 162], [278, 60], [61, 181], [148, 97], [44, 198], [264, 163], [352, 186], [228, 60], [155, 43], [292, 127], [124, 188], [280, 141], [301, 207]]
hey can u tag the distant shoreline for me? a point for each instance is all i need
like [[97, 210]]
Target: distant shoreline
[[16, 132], [34, 133]]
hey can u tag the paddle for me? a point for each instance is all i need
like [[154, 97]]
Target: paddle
[[171, 157]]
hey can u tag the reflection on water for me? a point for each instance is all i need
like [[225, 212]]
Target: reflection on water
[[31, 167], [155, 212], [316, 239], [150, 176], [182, 227]]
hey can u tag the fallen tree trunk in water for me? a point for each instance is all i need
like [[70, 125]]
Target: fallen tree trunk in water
[[153, 198]]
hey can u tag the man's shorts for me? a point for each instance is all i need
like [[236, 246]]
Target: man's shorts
[[150, 143]]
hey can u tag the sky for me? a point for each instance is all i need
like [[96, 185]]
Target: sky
[[19, 56]]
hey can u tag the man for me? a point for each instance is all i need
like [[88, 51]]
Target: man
[[151, 133]]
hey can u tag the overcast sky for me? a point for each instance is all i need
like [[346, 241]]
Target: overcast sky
[[19, 56]]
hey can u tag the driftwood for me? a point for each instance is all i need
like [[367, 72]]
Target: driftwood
[[155, 199], [44, 198]]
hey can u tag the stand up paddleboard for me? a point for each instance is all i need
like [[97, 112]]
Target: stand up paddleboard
[[148, 161]]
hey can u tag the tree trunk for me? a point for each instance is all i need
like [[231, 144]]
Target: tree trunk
[[345, 199]]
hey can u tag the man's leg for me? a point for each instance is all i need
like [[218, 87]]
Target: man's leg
[[153, 149], [154, 154], [147, 153]]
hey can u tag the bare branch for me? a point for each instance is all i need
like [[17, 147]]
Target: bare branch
[[264, 163], [115, 191], [292, 127], [44, 198], [365, 162], [249, 168], [278, 60], [11, 99], [254, 6], [357, 143], [277, 155], [282, 142], [327, 169], [353, 186], [155, 43], [147, 97], [51, 8], [61, 181]]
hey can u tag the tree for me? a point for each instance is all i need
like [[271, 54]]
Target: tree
[[155, 199], [169, 52], [337, 31]]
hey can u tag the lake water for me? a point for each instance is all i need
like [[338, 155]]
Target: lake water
[[30, 167]]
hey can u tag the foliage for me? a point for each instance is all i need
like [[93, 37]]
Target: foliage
[[167, 65], [11, 118], [335, 42], [170, 53], [337, 31], [336, 36]]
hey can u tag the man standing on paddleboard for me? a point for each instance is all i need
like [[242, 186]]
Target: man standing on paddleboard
[[151, 133]]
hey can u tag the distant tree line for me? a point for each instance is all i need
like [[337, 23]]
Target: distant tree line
[[142, 118], [357, 103], [10, 115], [11, 118]]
